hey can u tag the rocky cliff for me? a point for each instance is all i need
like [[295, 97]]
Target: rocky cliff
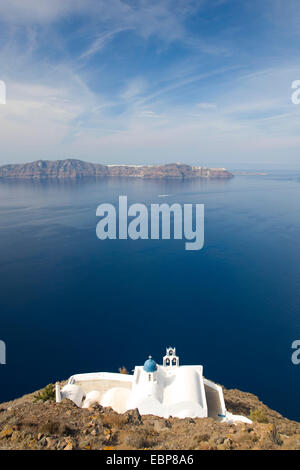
[[29, 424], [72, 168]]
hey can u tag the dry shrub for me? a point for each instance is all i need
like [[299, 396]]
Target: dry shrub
[[259, 416], [138, 440], [57, 428], [113, 420]]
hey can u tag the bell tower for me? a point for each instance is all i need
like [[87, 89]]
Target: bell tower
[[170, 359]]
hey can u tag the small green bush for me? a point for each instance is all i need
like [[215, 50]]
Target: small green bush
[[47, 394], [258, 416]]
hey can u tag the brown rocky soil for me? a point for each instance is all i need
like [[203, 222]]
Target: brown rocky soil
[[62, 426]]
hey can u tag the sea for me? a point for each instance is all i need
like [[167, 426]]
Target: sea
[[71, 303]]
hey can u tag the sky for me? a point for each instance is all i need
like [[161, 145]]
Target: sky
[[204, 82]]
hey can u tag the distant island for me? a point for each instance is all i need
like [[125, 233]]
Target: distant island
[[72, 168]]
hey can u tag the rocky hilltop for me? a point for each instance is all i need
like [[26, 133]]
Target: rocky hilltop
[[28, 423], [72, 168]]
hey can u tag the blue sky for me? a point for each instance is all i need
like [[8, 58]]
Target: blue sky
[[204, 82]]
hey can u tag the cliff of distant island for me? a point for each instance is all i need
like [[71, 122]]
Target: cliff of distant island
[[72, 168], [31, 423]]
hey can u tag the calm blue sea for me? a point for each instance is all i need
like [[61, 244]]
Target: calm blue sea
[[71, 303]]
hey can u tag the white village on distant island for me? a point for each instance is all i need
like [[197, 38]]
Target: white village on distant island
[[161, 390]]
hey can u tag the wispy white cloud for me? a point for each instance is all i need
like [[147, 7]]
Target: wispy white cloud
[[134, 88], [206, 106], [215, 112], [59, 120], [100, 42], [174, 85], [32, 11]]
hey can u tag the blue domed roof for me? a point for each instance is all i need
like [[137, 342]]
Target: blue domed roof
[[150, 365]]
